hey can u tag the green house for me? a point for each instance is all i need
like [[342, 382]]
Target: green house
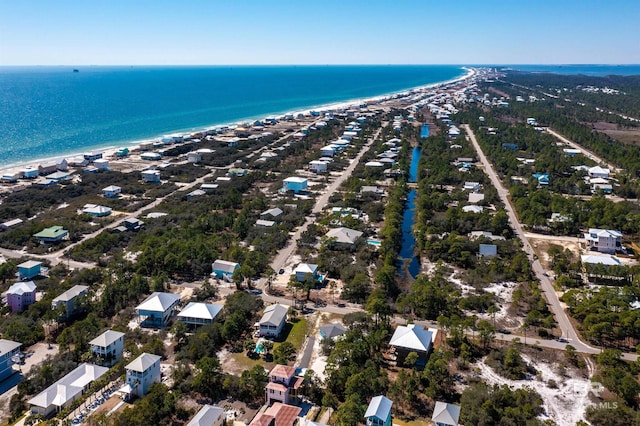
[[52, 234]]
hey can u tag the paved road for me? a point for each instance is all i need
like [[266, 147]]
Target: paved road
[[568, 331], [589, 153]]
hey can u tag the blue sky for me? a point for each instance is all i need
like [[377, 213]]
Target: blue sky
[[136, 32]]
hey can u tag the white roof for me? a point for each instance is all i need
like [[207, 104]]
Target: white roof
[[306, 268], [600, 260], [207, 416], [72, 293], [380, 407], [267, 223], [605, 233], [344, 235], [446, 413], [475, 197], [295, 179], [276, 211], [106, 338], [112, 188], [373, 164], [29, 264], [143, 362], [65, 389], [413, 337], [274, 314], [8, 346], [598, 170], [224, 265], [207, 311], [472, 209], [22, 287], [159, 302]]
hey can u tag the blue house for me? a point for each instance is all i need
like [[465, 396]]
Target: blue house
[[510, 146], [303, 269], [295, 184], [8, 349], [543, 178], [379, 411], [29, 269], [224, 269], [156, 310]]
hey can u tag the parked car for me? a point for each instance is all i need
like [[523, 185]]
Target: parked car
[[281, 271]]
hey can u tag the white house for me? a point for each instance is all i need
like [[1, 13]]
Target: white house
[[156, 310], [328, 151], [411, 338], [101, 164], [108, 347], [318, 166], [603, 240], [598, 172], [196, 313], [111, 191], [54, 398], [151, 176], [194, 157], [208, 416], [472, 209], [273, 320], [142, 372], [445, 414], [600, 260]]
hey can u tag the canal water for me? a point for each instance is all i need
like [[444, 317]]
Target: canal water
[[407, 250]]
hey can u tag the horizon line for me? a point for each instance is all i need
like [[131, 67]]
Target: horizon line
[[321, 64]]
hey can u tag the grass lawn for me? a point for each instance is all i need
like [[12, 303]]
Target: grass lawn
[[399, 422], [295, 333]]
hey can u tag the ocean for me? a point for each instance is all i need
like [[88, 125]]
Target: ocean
[[590, 70], [53, 111]]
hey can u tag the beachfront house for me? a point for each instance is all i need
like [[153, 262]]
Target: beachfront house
[[283, 384], [603, 240], [92, 156], [47, 168], [20, 295], [295, 184], [224, 269], [60, 394], [342, 238], [196, 313], [53, 234], [208, 415], [272, 214], [411, 338], [379, 411], [142, 372], [151, 176], [29, 269], [317, 166], [111, 191], [445, 414], [29, 172], [156, 310], [306, 269], [69, 301], [101, 164], [107, 348], [8, 349], [273, 320]]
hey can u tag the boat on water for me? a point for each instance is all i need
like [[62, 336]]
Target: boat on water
[[76, 70]]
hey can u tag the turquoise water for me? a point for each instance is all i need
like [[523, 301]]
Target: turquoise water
[[49, 111], [591, 70]]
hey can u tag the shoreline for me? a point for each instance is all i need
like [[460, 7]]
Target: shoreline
[[110, 149]]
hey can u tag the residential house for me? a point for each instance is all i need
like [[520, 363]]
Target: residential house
[[208, 415], [60, 394], [474, 235], [371, 190], [156, 310], [543, 178], [69, 299], [96, 210], [151, 176], [20, 295], [237, 172], [599, 172], [111, 191], [317, 166], [588, 259], [92, 156], [471, 186], [8, 349], [571, 152], [332, 331], [224, 269], [29, 172], [108, 347], [488, 250], [472, 209], [47, 168], [379, 411], [194, 157], [196, 193], [411, 338], [196, 313], [10, 224], [273, 320], [101, 164], [265, 223], [58, 176], [283, 385], [475, 198], [142, 372], [53, 234], [29, 269], [133, 224], [445, 414], [343, 238], [295, 184], [278, 414], [303, 269], [603, 240], [272, 214], [328, 151], [510, 146]]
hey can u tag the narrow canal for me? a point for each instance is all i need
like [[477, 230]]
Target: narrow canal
[[407, 251]]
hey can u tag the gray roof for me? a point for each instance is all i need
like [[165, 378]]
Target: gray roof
[[72, 293], [8, 346], [206, 311], [488, 250], [344, 235], [22, 288], [159, 302], [224, 266], [143, 362], [380, 407], [332, 330], [106, 338], [207, 416], [274, 314], [275, 212], [447, 414], [67, 388]]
